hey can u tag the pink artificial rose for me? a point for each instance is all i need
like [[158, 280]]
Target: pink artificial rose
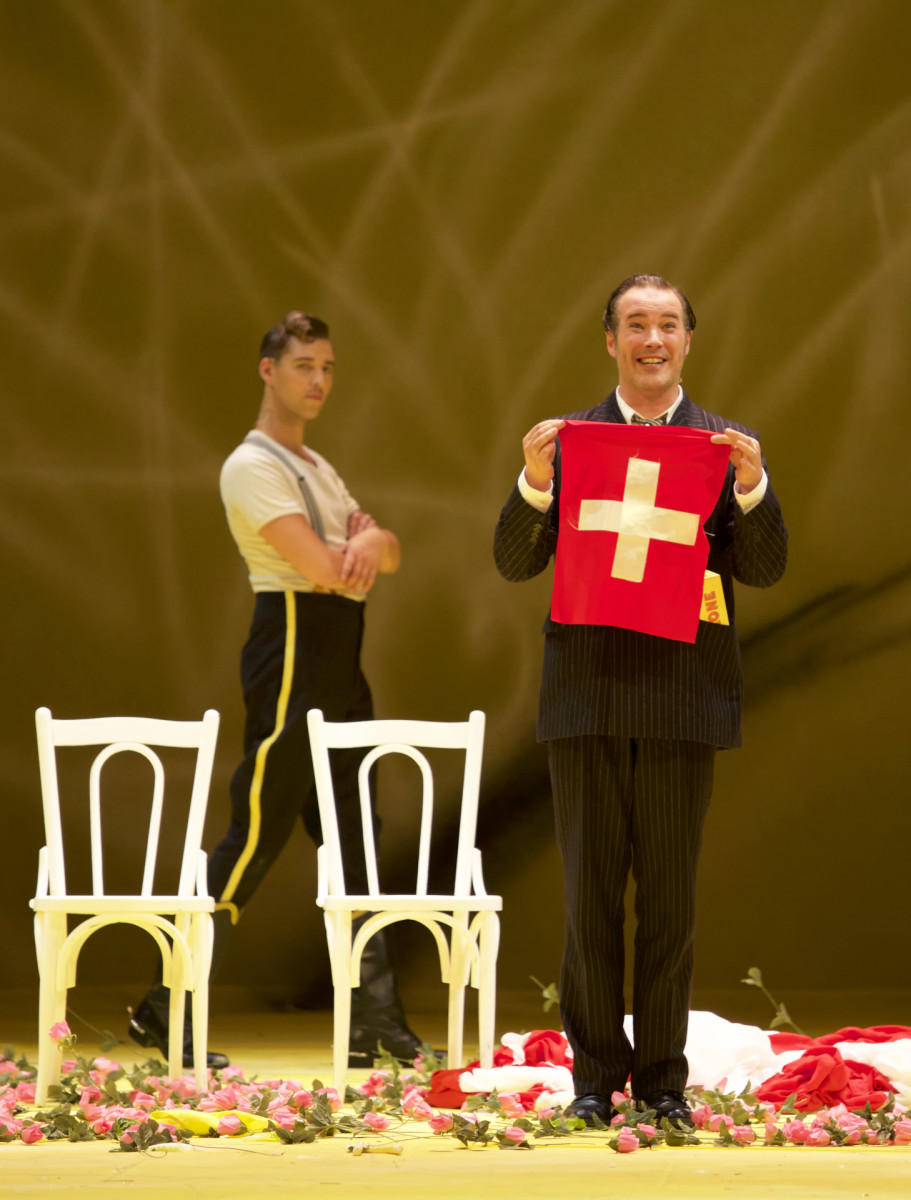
[[718, 1119], [106, 1065], [511, 1105], [25, 1092], [795, 1131], [8, 1067], [32, 1133], [648, 1130], [184, 1086], [143, 1100], [618, 1098], [515, 1134], [332, 1098], [702, 1115], [618, 1119], [420, 1110], [227, 1097], [68, 1066], [771, 1128], [229, 1125], [103, 1124], [902, 1131], [302, 1099], [376, 1121], [627, 1141], [284, 1117], [374, 1084], [850, 1122], [9, 1124], [59, 1032], [742, 1134], [92, 1112], [90, 1095], [442, 1123], [818, 1136], [546, 1113]]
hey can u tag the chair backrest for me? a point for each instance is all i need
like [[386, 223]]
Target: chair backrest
[[117, 735], [397, 737]]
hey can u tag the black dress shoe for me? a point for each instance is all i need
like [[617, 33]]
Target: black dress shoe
[[671, 1105], [149, 1028], [384, 1026], [592, 1108]]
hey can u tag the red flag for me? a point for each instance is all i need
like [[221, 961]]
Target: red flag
[[633, 501]]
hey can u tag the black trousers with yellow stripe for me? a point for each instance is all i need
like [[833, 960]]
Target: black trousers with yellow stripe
[[303, 652], [629, 803]]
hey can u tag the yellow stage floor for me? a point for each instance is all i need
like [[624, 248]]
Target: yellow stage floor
[[297, 1045]]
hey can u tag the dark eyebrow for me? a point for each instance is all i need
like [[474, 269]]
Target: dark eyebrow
[[308, 358], [673, 315]]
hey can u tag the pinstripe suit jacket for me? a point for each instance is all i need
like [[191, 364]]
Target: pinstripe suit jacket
[[602, 680]]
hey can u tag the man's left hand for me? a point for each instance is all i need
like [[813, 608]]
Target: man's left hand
[[361, 556], [746, 457], [359, 521]]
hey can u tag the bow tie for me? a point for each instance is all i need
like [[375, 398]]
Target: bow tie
[[637, 420]]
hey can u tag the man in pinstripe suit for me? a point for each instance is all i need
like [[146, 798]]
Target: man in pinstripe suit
[[632, 723]]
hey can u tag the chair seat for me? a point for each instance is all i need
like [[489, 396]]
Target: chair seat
[[406, 903], [99, 905]]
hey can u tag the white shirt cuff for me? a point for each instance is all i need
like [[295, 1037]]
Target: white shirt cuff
[[539, 500], [748, 500]]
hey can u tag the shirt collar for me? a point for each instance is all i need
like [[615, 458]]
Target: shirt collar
[[627, 412]]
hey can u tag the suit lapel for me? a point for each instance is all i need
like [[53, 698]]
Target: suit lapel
[[689, 414]]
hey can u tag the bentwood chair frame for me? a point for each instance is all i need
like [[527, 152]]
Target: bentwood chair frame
[[180, 923], [464, 923]]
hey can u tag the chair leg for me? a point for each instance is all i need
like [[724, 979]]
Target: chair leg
[[338, 934], [50, 934], [200, 941], [488, 945], [458, 978], [176, 1007]]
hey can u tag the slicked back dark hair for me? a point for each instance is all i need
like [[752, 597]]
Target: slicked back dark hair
[[653, 281], [304, 326]]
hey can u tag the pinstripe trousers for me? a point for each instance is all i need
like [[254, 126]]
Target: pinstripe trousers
[[624, 803]]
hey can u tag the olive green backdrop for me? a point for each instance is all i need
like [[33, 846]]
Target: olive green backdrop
[[456, 185]]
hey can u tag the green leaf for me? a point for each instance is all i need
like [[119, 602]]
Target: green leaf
[[754, 977]]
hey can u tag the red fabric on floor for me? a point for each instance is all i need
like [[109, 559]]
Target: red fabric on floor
[[821, 1078]]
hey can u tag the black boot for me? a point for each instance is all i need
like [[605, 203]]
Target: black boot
[[377, 1016], [149, 1027]]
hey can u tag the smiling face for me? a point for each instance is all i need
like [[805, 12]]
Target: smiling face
[[649, 341], [298, 383]]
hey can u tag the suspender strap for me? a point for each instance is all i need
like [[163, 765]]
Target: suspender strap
[[292, 462]]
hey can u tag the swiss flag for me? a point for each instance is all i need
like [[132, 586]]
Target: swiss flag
[[633, 501]]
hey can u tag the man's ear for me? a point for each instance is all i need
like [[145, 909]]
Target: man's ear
[[689, 338], [611, 343], [266, 369]]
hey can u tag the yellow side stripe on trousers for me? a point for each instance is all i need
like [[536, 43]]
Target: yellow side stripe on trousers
[[262, 753]]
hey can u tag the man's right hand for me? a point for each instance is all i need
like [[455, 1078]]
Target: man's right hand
[[540, 446]]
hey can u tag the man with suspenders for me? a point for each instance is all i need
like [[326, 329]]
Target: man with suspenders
[[312, 556]]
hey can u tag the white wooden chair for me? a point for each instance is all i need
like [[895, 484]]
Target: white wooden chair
[[186, 941], [470, 950]]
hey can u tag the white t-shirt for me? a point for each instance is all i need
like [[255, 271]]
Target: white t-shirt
[[260, 484]]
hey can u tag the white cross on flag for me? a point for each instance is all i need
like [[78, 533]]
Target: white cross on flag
[[631, 550]]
